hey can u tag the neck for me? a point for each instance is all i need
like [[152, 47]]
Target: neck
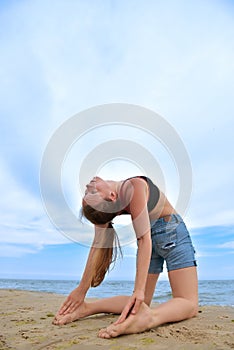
[[116, 186]]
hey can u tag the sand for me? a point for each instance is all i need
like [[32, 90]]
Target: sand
[[26, 323]]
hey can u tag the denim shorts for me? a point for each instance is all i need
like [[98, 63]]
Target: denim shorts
[[171, 242]]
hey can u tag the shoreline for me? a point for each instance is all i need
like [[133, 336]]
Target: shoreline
[[213, 292], [59, 295], [27, 324]]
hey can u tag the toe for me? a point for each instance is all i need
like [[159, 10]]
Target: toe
[[62, 322], [109, 332], [113, 334], [55, 321], [103, 334], [102, 331]]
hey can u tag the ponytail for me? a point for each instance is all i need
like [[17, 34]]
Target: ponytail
[[107, 251], [105, 256]]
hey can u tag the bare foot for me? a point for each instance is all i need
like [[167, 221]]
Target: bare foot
[[138, 323], [80, 312]]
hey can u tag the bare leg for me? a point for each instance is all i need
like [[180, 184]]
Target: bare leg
[[184, 305], [108, 305]]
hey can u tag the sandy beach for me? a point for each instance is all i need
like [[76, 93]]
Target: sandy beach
[[26, 323]]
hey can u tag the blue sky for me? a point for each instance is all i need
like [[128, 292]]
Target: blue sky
[[59, 58]]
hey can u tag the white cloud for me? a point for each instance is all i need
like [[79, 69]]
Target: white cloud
[[23, 219], [208, 253], [65, 58], [16, 251], [227, 245]]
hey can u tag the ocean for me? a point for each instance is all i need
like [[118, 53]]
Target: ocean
[[211, 292]]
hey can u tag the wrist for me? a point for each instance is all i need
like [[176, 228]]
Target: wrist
[[81, 289], [139, 287], [138, 290]]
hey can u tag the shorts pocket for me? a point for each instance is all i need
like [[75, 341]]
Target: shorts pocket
[[166, 241]]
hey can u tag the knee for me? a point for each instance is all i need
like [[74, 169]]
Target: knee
[[194, 309]]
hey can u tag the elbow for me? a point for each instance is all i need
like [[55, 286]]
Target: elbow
[[144, 239]]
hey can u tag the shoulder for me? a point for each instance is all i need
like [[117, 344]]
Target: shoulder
[[134, 183], [137, 193], [134, 188]]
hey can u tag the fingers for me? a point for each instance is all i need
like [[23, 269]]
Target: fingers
[[72, 308], [118, 321], [136, 307], [131, 308], [62, 310], [124, 313], [73, 300], [64, 307], [68, 308], [122, 317]]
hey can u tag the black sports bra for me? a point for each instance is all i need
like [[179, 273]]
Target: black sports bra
[[154, 193]]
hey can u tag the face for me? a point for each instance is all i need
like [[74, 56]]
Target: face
[[97, 190]]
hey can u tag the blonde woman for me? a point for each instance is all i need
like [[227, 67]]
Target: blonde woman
[[161, 236]]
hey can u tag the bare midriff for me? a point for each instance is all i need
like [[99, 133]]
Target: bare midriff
[[162, 209]]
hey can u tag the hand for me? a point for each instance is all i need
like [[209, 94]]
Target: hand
[[74, 299], [132, 306]]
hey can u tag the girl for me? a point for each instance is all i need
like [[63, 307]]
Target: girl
[[161, 236]]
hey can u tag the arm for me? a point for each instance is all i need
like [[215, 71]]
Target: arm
[[143, 261], [140, 219], [76, 297]]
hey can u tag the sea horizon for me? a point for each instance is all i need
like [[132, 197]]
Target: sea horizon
[[211, 292]]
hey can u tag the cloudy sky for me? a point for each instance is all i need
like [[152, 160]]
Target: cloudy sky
[[59, 58]]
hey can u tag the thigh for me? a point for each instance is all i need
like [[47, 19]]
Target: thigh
[[150, 287], [180, 253], [184, 283]]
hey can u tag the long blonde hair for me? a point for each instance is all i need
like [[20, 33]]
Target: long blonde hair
[[109, 246]]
